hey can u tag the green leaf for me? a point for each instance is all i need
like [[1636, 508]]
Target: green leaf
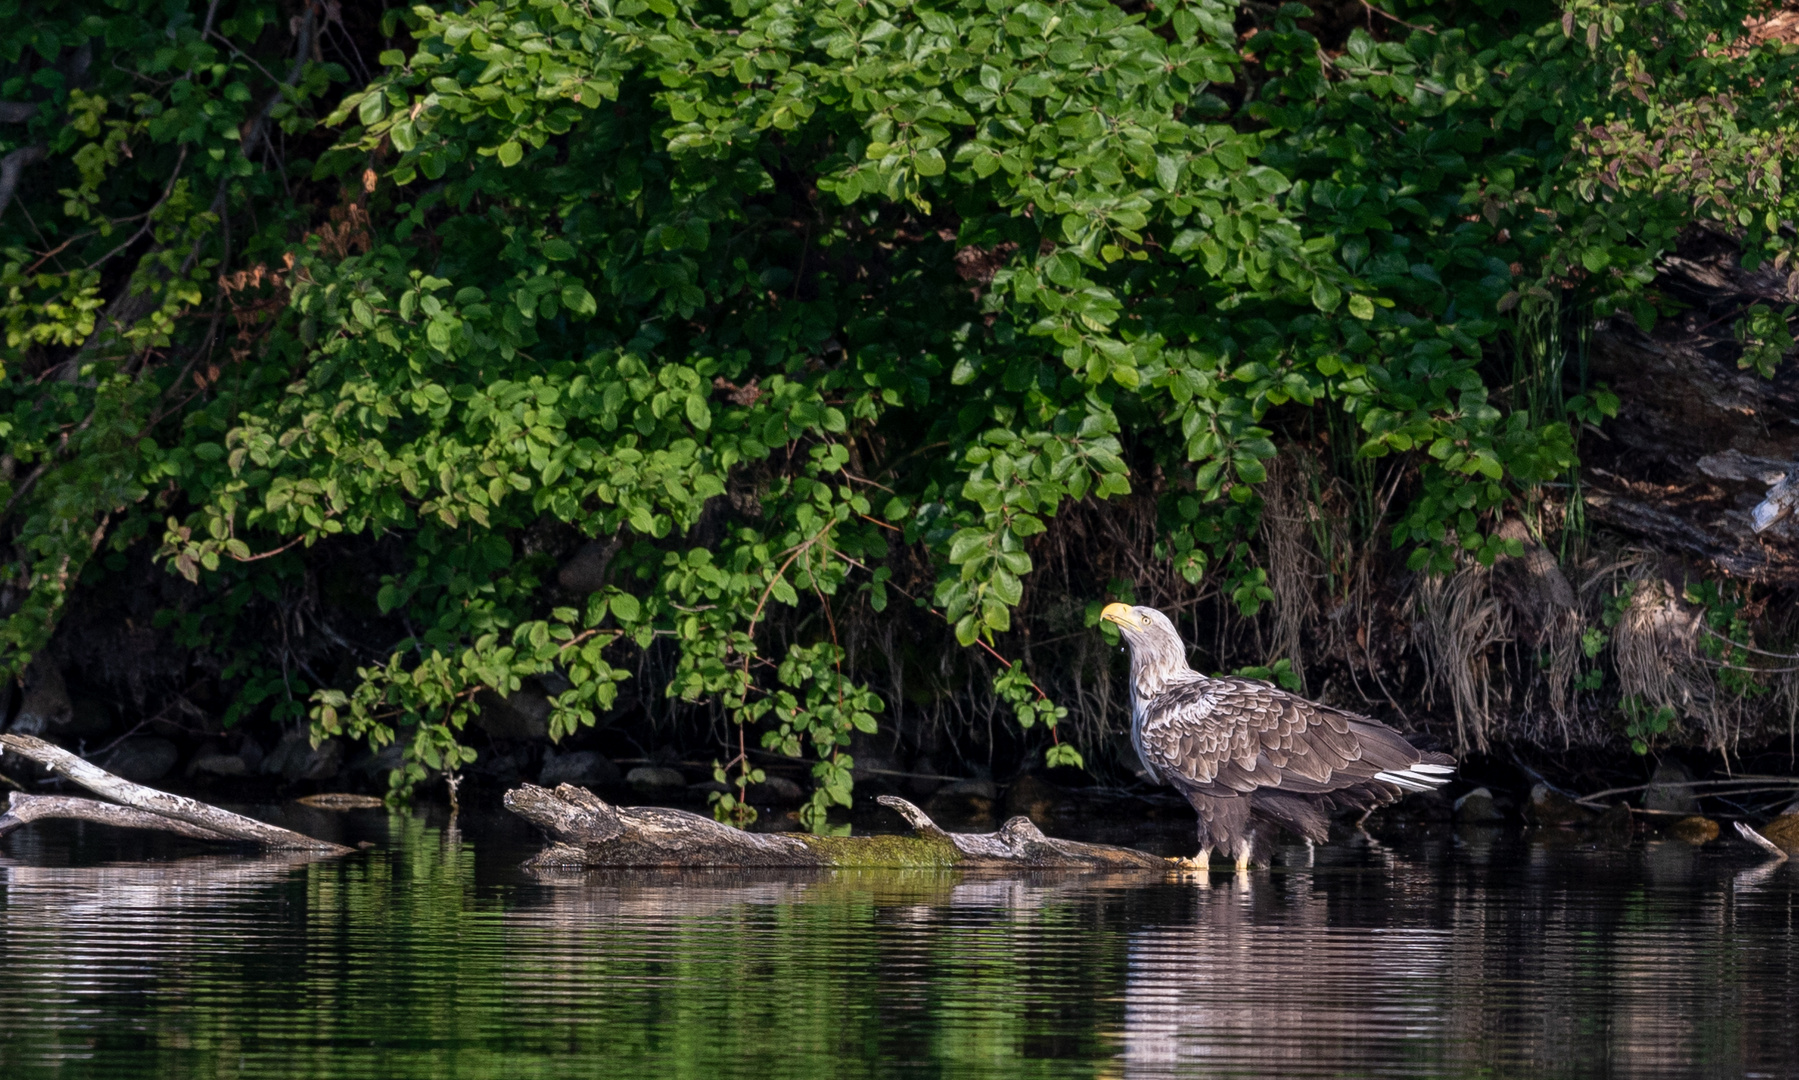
[[1007, 587], [782, 591], [578, 300], [699, 413], [1168, 173]]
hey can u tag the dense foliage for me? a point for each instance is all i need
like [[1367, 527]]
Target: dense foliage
[[758, 294]]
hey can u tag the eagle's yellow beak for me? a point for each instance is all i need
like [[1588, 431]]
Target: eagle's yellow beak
[[1118, 613]]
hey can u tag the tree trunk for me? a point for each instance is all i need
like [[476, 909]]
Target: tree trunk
[[589, 832]]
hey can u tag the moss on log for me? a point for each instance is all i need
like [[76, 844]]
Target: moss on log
[[589, 832]]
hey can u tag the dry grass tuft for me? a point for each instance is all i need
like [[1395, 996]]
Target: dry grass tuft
[[1655, 650], [1543, 609], [1459, 623], [1289, 517], [1656, 633]]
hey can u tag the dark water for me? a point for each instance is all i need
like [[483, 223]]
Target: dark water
[[1492, 954]]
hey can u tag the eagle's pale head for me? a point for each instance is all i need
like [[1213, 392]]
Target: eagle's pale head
[[1157, 651], [1142, 625]]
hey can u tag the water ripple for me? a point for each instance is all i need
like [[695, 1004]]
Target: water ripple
[[437, 958]]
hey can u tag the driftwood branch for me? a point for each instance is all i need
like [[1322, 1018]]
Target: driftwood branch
[[25, 809], [589, 832], [217, 824]]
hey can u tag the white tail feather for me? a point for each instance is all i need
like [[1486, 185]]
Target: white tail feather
[[1421, 777]]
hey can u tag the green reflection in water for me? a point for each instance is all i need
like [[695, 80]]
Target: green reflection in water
[[399, 963], [434, 956]]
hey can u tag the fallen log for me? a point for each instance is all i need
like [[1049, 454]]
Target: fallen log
[[139, 807], [587, 832]]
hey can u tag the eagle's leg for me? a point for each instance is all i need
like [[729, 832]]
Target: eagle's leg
[[1243, 863], [1224, 823]]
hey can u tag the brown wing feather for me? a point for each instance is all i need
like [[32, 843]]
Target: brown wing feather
[[1241, 735]]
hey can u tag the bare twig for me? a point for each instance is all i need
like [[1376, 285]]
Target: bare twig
[[1388, 15], [149, 216], [268, 554], [1747, 648], [1728, 786]]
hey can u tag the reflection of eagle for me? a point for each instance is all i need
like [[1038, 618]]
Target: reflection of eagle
[[1248, 756]]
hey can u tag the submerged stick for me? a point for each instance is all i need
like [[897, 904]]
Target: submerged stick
[[590, 832], [1762, 842], [223, 824]]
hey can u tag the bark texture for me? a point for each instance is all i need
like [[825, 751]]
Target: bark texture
[[589, 832], [24, 809]]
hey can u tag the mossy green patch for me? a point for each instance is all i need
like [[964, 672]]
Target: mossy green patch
[[899, 852]]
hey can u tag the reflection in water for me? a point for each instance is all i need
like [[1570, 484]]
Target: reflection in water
[[1260, 973], [97, 932], [1573, 963], [434, 956]]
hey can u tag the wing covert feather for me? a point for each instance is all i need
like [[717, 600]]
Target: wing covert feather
[[1240, 734]]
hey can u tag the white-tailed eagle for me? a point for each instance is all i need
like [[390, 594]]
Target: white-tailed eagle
[[1249, 756]]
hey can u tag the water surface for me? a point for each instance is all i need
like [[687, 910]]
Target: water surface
[[1430, 955]]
